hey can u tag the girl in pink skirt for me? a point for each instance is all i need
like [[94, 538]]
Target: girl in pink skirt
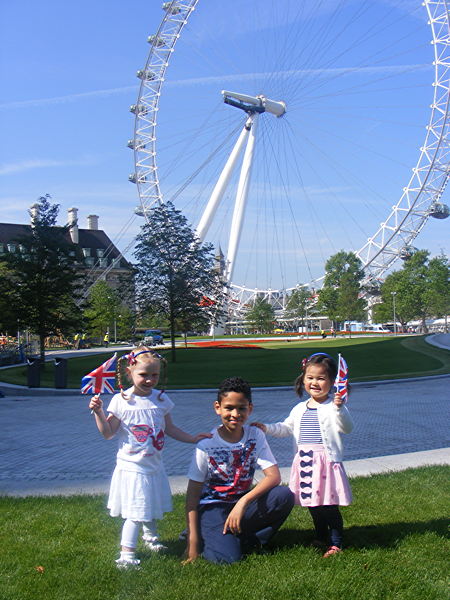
[[318, 477]]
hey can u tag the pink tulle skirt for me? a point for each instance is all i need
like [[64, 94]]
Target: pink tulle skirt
[[316, 481]]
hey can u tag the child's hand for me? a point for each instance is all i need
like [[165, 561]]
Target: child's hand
[[201, 436], [233, 522], [259, 425], [96, 404], [189, 558], [191, 554], [338, 400]]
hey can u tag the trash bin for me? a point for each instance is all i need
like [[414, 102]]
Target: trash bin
[[60, 372], [33, 371]]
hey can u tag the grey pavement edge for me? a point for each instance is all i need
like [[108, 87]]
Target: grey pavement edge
[[178, 483]]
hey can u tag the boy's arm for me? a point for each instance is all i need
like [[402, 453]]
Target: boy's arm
[[271, 479], [193, 536]]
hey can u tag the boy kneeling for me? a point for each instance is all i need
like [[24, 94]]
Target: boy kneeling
[[224, 516]]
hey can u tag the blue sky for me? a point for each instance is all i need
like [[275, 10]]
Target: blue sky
[[356, 77]]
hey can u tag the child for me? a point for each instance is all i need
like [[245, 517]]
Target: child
[[318, 478], [224, 515], [139, 489]]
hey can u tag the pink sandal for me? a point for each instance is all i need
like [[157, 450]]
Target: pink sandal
[[332, 550]]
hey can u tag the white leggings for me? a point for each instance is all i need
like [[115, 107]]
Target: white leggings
[[130, 532]]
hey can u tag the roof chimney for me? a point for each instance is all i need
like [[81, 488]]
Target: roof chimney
[[92, 222], [72, 217], [34, 213]]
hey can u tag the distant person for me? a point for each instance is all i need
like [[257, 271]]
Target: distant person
[[76, 341], [82, 341], [225, 515], [106, 339], [323, 334], [141, 418], [318, 478]]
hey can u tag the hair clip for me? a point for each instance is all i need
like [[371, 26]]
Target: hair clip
[[131, 358], [304, 361]]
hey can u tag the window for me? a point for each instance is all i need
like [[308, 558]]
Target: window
[[11, 247], [86, 252], [100, 253]]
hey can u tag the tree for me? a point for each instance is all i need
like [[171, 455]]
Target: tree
[[261, 316], [340, 294], [437, 294], [175, 272], [103, 308], [297, 305], [8, 313], [44, 276], [421, 290]]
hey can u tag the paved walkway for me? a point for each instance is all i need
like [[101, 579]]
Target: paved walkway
[[50, 445]]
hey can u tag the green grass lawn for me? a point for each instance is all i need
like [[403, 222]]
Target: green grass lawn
[[274, 363], [395, 549]]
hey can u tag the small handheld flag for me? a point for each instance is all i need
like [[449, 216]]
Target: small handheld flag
[[341, 382], [102, 379]]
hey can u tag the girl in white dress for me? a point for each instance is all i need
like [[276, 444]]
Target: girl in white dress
[[140, 416]]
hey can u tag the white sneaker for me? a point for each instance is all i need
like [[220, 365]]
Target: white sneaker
[[155, 545], [128, 563]]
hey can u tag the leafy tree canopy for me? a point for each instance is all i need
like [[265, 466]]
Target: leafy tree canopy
[[44, 277], [261, 316], [175, 273], [340, 295], [421, 290]]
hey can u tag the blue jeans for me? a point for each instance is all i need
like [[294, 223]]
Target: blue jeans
[[262, 519]]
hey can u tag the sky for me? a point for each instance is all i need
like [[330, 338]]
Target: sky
[[356, 77]]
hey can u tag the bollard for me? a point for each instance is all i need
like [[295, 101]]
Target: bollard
[[60, 372]]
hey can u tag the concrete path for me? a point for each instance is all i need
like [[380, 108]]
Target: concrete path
[[50, 445]]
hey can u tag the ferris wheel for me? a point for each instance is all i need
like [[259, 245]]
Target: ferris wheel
[[293, 157]]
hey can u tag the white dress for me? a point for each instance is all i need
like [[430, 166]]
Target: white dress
[[139, 487]]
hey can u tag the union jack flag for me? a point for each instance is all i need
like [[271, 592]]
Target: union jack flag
[[102, 379], [341, 382]]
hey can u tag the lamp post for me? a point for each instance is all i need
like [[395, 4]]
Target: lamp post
[[393, 294], [115, 327]]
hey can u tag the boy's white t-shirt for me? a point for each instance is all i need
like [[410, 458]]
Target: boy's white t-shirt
[[226, 468], [141, 431]]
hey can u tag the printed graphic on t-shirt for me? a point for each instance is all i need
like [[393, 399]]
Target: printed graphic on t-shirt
[[143, 432], [230, 473]]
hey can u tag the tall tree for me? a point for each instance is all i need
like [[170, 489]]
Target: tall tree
[[8, 313], [437, 294], [103, 308], [44, 281], [340, 294], [175, 272], [261, 316], [297, 305], [421, 290]]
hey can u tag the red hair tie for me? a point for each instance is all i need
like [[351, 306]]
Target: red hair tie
[[304, 362], [131, 358]]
